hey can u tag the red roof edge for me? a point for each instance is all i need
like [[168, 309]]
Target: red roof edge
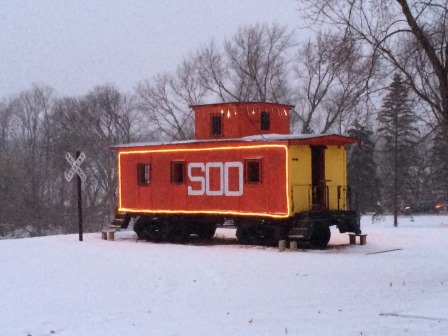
[[325, 140]]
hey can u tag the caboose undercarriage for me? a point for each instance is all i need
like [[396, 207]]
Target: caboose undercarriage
[[173, 228], [310, 228]]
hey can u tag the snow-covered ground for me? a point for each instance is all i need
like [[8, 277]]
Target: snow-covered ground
[[397, 284]]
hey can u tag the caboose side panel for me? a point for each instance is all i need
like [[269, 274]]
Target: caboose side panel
[[276, 173], [248, 180], [128, 191], [144, 161], [159, 191]]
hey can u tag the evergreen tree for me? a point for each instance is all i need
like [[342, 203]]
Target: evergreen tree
[[398, 132], [439, 160], [362, 171]]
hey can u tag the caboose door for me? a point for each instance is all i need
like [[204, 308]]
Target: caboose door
[[319, 190]]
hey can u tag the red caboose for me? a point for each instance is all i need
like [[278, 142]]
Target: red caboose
[[245, 166]]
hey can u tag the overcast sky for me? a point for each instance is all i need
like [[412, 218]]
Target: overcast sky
[[74, 45]]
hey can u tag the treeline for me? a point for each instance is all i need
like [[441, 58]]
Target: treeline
[[406, 44], [36, 130], [336, 83]]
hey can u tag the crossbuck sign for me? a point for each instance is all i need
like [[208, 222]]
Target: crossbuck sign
[[76, 167]]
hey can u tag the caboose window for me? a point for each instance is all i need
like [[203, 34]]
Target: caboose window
[[216, 125], [252, 171], [265, 121], [143, 174], [177, 172]]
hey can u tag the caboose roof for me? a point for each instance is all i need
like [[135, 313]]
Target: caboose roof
[[242, 104], [292, 139]]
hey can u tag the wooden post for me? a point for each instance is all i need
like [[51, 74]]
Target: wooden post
[[362, 239], [352, 238], [281, 245], [104, 235], [111, 234], [293, 245], [78, 181]]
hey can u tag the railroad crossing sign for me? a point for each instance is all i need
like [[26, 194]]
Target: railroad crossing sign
[[76, 167]]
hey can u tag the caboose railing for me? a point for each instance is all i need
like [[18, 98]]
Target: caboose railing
[[320, 197], [323, 197], [345, 195]]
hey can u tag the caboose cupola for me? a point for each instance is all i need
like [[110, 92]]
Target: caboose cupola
[[240, 119]]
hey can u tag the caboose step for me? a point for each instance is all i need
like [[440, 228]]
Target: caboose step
[[297, 233], [295, 237], [120, 221], [117, 223]]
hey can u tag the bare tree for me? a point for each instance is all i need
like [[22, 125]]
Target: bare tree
[[5, 116], [438, 163], [6, 169], [29, 146], [166, 100], [253, 65], [410, 36], [93, 123], [333, 78]]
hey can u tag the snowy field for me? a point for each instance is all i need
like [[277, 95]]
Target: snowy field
[[397, 284]]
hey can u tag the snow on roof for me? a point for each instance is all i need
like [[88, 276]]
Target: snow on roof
[[252, 138], [236, 103]]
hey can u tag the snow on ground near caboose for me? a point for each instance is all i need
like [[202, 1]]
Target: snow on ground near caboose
[[59, 286]]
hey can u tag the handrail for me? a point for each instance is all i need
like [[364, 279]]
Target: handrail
[[319, 196]]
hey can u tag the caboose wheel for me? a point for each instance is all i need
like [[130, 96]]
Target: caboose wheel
[[241, 236], [281, 233], [245, 235], [178, 234], [207, 231], [320, 237], [140, 228], [155, 231], [269, 238]]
